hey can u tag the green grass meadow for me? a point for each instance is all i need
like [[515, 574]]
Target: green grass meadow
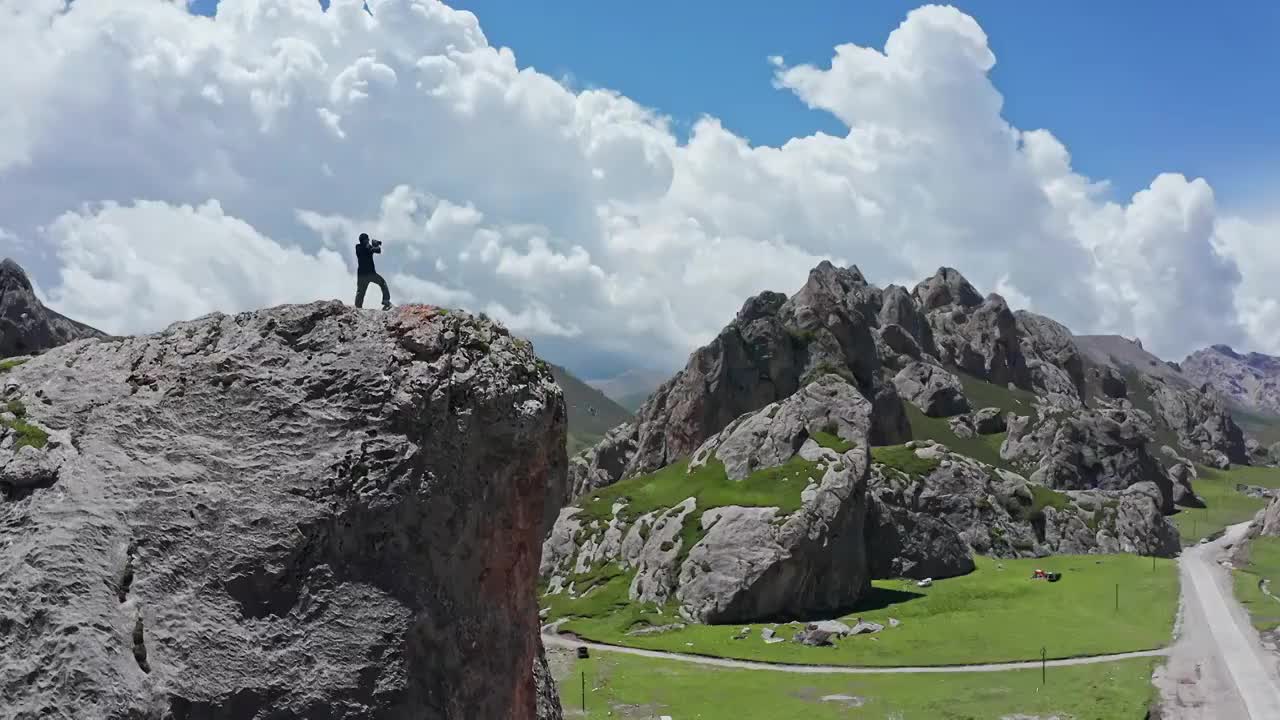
[[1263, 564], [629, 687], [994, 614], [1225, 505]]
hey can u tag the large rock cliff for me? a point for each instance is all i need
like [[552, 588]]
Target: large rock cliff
[[26, 325], [303, 512]]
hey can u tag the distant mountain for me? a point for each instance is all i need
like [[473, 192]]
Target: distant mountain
[[1250, 380], [26, 325], [591, 412], [631, 388]]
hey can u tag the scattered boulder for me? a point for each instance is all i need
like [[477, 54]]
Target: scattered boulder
[[989, 421], [813, 637], [834, 627], [865, 627], [936, 392], [962, 426], [1255, 491], [293, 512]]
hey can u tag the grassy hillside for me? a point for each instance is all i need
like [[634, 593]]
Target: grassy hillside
[[585, 426]]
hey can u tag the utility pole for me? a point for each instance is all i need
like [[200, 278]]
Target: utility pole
[[1043, 656], [584, 692]]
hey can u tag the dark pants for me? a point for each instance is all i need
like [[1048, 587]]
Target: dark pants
[[362, 284]]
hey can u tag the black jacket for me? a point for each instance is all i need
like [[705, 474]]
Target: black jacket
[[364, 259]]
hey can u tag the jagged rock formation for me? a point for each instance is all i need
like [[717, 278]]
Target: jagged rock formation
[[936, 392], [1192, 414], [930, 524], [1201, 421], [1087, 449], [732, 563], [840, 323], [1250, 380], [308, 511], [26, 325]]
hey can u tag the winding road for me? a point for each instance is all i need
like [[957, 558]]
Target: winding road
[[1216, 668], [568, 642]]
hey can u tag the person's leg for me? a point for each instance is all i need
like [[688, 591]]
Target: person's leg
[[386, 293], [362, 284]]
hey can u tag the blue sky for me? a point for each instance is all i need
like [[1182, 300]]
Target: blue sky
[[1132, 88]]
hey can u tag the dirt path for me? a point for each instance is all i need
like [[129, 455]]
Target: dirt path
[[567, 642], [1217, 668]]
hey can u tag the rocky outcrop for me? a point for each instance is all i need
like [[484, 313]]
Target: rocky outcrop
[[839, 323], [774, 346], [1201, 421], [603, 463], [989, 421], [1087, 449], [930, 525], [1269, 519], [936, 392], [1182, 473], [1250, 380], [26, 325], [308, 511], [732, 563]]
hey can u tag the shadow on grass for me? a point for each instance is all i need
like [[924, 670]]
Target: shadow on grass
[[881, 598]]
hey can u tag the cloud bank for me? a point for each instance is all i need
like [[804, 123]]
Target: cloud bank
[[156, 165]]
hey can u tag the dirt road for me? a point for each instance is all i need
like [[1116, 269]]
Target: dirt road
[[568, 642], [1217, 668]]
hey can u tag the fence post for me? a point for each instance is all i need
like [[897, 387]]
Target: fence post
[[1043, 655], [584, 692]]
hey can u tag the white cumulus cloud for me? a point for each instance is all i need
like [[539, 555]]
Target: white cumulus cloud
[[156, 165]]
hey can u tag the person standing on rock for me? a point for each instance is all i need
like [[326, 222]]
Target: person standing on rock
[[366, 273]]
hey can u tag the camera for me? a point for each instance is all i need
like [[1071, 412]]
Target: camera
[[376, 243]]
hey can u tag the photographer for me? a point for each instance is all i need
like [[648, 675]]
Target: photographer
[[366, 273]]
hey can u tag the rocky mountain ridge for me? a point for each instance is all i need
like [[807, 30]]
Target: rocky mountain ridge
[[26, 325], [304, 511], [1250, 380]]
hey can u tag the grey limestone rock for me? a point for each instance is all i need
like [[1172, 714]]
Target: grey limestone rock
[[305, 511], [26, 325], [936, 392]]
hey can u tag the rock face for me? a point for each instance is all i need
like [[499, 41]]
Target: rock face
[[930, 525], [1087, 449], [935, 391], [730, 564], [26, 325], [1250, 380], [1201, 420], [1192, 412], [308, 511], [838, 323]]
